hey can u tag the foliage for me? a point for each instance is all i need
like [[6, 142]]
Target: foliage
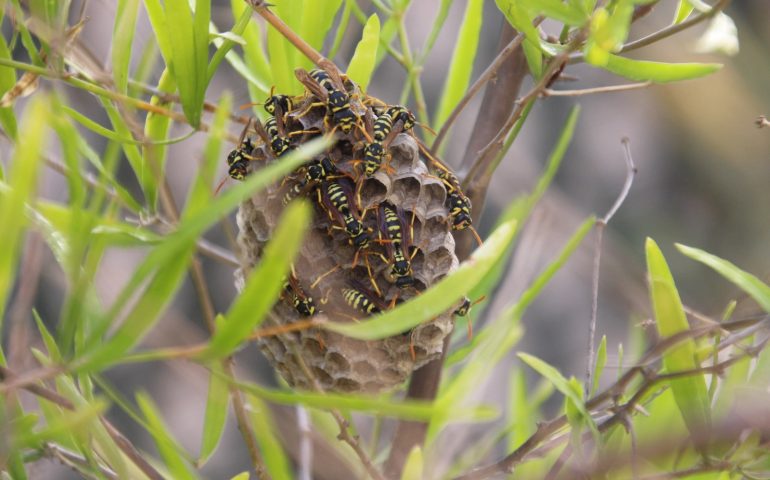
[[685, 373]]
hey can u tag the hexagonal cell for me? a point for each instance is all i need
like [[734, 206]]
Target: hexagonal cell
[[373, 191], [405, 192]]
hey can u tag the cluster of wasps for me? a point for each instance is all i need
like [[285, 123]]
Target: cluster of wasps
[[363, 128]]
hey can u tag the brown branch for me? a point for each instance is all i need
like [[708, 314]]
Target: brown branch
[[424, 382], [261, 7], [488, 75]]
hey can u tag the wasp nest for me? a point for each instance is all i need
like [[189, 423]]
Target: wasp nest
[[381, 234]]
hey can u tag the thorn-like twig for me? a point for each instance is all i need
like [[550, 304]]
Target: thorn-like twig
[[590, 91], [600, 226]]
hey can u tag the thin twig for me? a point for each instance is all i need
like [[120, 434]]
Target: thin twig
[[29, 275], [125, 446], [75, 461], [665, 32], [590, 91], [650, 380], [485, 77], [601, 224], [261, 7], [305, 462]]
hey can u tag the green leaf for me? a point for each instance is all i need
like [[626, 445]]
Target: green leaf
[[7, 81], [176, 245], [689, 392], [256, 68], [438, 24], [462, 61], [276, 461], [157, 16], [241, 476], [22, 183], [362, 64], [601, 361], [562, 385], [216, 414], [264, 283], [178, 466], [414, 465], [683, 10], [437, 299], [753, 286], [76, 421], [567, 13], [658, 72], [156, 129], [189, 53], [387, 34], [226, 41], [317, 19], [115, 136], [201, 193], [122, 38]]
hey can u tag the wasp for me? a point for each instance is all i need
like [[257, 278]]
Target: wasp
[[315, 172], [335, 198], [299, 300], [374, 150], [391, 225], [459, 204], [278, 143], [275, 102], [327, 85], [361, 299], [399, 112]]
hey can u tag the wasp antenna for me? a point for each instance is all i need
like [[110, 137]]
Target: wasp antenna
[[249, 105]]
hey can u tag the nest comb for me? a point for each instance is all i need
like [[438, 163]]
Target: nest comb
[[315, 357]]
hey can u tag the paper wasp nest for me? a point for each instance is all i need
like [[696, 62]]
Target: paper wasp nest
[[312, 357]]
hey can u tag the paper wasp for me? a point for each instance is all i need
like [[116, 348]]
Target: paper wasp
[[326, 84], [278, 143], [238, 159], [397, 242], [299, 300], [374, 150], [315, 172], [362, 299], [335, 199]]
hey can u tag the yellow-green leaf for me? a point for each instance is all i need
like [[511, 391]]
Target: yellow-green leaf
[[690, 391], [659, 72], [362, 64]]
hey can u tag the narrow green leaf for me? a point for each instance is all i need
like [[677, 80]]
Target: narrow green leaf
[[362, 64], [462, 61], [7, 81], [317, 20], [201, 191], [178, 466], [533, 56], [184, 61], [157, 16], [407, 409], [280, 52], [342, 27], [437, 299], [561, 384], [659, 72], [174, 249], [683, 10], [521, 19], [387, 34], [241, 476], [156, 129], [601, 361], [567, 13], [226, 41], [122, 38], [201, 39], [414, 465], [276, 461], [438, 24], [264, 283], [113, 135], [497, 339], [747, 282], [216, 414], [256, 68], [48, 340], [76, 421], [22, 182], [689, 392]]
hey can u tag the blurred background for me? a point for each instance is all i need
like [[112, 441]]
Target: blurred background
[[703, 176]]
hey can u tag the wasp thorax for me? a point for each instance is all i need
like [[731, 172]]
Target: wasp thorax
[[380, 236]]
